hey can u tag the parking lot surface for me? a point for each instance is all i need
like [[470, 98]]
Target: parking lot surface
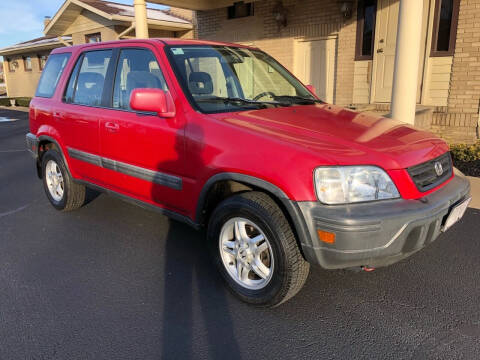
[[114, 281]]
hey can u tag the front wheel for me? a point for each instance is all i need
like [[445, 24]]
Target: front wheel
[[255, 250], [63, 193]]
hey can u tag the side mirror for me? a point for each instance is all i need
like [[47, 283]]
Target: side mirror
[[312, 89], [153, 100]]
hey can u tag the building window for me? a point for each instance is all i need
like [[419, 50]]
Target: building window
[[42, 60], [239, 10], [366, 15], [12, 65], [27, 63], [445, 27], [93, 38]]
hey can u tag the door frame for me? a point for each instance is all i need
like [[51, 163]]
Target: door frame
[[423, 52]]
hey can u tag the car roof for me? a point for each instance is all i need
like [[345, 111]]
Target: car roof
[[155, 41]]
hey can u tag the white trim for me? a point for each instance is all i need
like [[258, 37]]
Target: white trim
[[173, 26]]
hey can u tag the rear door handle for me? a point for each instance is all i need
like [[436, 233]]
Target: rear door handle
[[112, 127]]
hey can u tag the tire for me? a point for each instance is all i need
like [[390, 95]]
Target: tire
[[284, 272], [68, 195]]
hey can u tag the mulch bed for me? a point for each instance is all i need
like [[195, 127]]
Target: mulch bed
[[469, 168]]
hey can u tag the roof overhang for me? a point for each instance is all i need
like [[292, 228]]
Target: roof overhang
[[31, 48], [71, 9], [197, 4]]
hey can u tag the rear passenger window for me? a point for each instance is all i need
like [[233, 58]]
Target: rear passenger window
[[86, 84], [137, 68], [51, 74]]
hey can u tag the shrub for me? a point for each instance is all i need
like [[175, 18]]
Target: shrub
[[20, 101], [23, 101], [466, 153], [4, 101]]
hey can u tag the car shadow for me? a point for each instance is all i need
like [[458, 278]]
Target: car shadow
[[194, 297], [193, 292]]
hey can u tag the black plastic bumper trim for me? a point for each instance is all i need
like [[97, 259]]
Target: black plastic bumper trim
[[156, 177], [378, 234], [32, 144]]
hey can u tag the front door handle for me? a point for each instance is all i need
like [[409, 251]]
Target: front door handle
[[112, 127], [379, 51]]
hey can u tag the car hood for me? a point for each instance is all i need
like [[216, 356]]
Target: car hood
[[340, 136]]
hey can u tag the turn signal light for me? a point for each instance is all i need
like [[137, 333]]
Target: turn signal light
[[326, 236]]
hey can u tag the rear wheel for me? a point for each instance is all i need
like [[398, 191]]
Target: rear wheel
[[63, 193], [255, 250]]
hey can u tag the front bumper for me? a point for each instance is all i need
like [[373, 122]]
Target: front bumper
[[377, 234]]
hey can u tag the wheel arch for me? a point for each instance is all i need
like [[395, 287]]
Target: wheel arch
[[209, 198], [45, 143]]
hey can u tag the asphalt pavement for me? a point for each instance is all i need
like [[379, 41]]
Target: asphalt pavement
[[114, 281]]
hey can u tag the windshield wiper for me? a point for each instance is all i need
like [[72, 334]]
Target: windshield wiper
[[299, 99], [236, 100]]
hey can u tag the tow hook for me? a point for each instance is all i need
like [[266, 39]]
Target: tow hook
[[368, 268]]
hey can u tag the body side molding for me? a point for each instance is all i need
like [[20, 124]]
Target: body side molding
[[156, 177]]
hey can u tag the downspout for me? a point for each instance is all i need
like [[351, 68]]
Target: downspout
[[478, 123], [126, 31], [6, 70]]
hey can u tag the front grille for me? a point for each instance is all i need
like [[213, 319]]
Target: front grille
[[425, 176]]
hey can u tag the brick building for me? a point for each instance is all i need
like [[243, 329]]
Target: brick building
[[423, 67], [347, 50]]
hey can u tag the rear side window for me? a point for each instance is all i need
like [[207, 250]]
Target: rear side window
[[137, 68], [51, 74], [86, 84]]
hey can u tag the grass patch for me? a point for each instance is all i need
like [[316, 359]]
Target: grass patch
[[23, 101]]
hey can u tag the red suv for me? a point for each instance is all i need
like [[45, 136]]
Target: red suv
[[222, 136]]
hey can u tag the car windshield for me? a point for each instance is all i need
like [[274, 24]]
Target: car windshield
[[223, 78]]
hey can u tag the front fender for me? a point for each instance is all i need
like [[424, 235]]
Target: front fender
[[292, 208]]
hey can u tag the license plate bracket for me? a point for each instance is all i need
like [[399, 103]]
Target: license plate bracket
[[456, 214]]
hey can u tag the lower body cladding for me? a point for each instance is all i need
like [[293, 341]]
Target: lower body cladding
[[379, 233]]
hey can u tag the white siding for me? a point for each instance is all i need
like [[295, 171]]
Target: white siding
[[437, 81]]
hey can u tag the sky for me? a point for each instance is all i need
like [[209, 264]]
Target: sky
[[22, 20]]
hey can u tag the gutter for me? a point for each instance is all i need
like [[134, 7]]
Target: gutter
[[126, 31]]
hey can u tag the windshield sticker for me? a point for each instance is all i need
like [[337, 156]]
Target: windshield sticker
[[177, 51]]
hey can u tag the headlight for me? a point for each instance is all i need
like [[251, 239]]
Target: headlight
[[351, 184]]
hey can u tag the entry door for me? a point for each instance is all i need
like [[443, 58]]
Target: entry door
[[385, 43], [314, 64], [385, 46]]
